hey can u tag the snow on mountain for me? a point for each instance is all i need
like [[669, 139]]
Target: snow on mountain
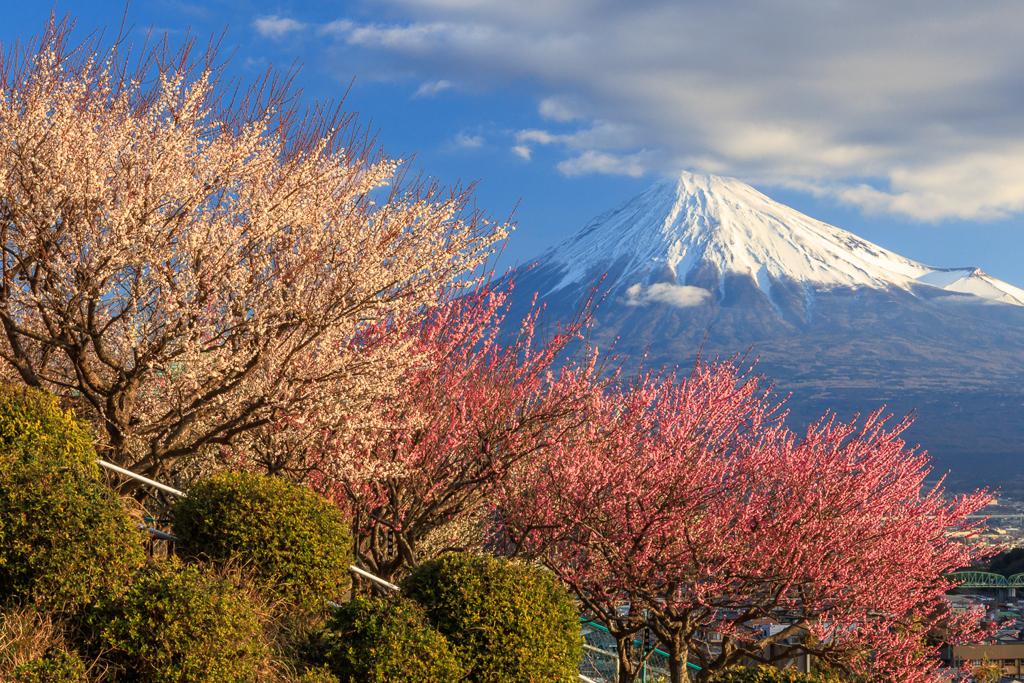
[[677, 226], [974, 281]]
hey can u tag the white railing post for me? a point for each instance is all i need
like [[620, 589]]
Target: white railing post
[[376, 579], [139, 477]]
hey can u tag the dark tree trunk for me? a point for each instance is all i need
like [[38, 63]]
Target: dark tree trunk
[[678, 656], [627, 672]]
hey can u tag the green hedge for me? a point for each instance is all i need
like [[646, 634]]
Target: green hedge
[[297, 542], [64, 537], [179, 624], [510, 621], [375, 640]]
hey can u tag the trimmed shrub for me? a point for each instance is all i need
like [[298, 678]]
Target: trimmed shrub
[[376, 640], [64, 536], [508, 620], [179, 624], [297, 542], [59, 666]]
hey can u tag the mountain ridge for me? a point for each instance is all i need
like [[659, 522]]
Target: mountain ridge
[[676, 226]]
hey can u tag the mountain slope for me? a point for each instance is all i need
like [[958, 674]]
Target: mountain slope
[[839, 321]]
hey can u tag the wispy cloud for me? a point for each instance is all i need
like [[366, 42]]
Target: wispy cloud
[[559, 109], [338, 28], [195, 10], [601, 134], [679, 296], [430, 89], [981, 185], [603, 162], [598, 144], [463, 140], [274, 26]]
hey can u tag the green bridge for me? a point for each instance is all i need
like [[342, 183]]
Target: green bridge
[[978, 579]]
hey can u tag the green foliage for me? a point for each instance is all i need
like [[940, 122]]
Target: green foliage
[[58, 666], [179, 624], [1007, 563], [320, 675], [63, 535], [297, 542], [769, 674], [510, 621], [987, 671], [375, 640]]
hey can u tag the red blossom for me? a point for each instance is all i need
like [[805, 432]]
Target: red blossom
[[687, 507]]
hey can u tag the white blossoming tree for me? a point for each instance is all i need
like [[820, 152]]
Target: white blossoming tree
[[191, 264]]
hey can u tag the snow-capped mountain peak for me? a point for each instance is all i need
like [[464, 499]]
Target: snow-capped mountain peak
[[677, 226]]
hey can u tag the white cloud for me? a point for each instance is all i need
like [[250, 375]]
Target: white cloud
[[463, 140], [430, 89], [197, 10], [522, 151], [980, 185], [895, 107], [339, 28], [679, 296], [539, 136], [255, 64], [596, 140], [602, 162], [276, 27], [559, 109], [601, 134], [418, 37]]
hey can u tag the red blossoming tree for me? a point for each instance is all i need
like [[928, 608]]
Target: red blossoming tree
[[473, 411], [687, 509]]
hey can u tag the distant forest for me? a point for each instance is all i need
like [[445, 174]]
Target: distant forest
[[1006, 563]]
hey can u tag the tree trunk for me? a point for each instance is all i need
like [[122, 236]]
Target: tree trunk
[[678, 656], [624, 651]]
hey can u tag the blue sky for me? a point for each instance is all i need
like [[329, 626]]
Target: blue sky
[[902, 122]]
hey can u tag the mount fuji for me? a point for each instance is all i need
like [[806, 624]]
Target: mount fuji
[[677, 228], [840, 322]]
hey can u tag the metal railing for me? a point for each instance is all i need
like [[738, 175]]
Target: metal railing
[[139, 477], [603, 656], [156, 533], [352, 568], [376, 579]]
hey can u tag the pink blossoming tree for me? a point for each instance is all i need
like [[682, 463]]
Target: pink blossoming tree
[[685, 508], [465, 419]]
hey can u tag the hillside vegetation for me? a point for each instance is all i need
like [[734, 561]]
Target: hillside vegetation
[[247, 596]]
